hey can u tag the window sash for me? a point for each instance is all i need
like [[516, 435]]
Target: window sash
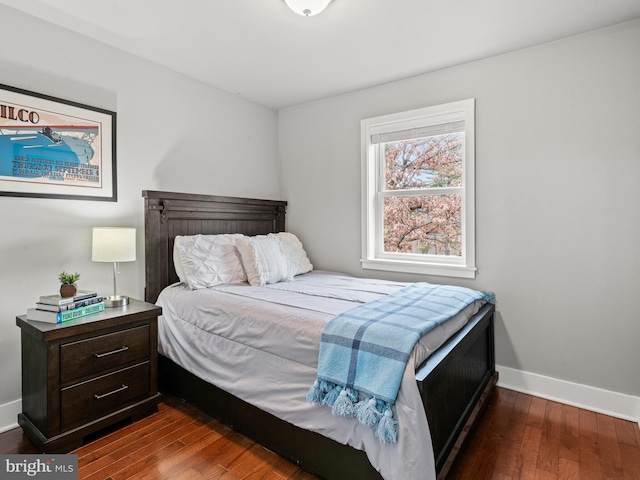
[[380, 252]]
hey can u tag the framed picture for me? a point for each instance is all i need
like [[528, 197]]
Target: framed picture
[[54, 148]]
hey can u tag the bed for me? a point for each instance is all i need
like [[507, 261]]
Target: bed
[[452, 384]]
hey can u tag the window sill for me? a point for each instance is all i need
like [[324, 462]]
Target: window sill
[[444, 270]]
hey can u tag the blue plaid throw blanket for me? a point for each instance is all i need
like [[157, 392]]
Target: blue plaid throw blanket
[[364, 351]]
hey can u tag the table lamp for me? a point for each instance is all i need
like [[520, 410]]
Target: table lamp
[[114, 244]]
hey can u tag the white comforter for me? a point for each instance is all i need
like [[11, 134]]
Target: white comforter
[[238, 336]]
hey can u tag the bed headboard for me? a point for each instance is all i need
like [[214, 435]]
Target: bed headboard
[[168, 214]]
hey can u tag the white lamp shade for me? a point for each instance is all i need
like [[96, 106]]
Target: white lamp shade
[[308, 8], [113, 244]]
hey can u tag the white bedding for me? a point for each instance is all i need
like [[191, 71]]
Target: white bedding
[[239, 337]]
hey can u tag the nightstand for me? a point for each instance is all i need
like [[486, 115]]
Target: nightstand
[[83, 375]]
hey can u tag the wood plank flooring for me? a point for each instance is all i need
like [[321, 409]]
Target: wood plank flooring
[[524, 437], [517, 437]]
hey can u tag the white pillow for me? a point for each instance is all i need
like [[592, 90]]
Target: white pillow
[[263, 260], [203, 261], [177, 263], [293, 251]]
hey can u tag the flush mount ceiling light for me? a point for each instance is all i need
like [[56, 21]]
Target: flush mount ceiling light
[[307, 8]]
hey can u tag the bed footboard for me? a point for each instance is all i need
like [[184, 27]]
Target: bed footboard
[[455, 383]]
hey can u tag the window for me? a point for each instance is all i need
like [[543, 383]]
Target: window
[[418, 191]]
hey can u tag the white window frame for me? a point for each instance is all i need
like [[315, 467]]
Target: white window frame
[[373, 255]]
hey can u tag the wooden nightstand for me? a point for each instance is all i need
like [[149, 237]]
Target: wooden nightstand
[[86, 374]]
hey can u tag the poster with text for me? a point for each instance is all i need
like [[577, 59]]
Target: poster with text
[[54, 148]]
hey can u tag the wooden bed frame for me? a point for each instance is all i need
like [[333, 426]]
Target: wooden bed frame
[[454, 382]]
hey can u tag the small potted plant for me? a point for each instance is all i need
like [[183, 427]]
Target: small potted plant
[[68, 284]]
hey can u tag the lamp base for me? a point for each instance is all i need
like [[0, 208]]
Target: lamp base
[[116, 301]]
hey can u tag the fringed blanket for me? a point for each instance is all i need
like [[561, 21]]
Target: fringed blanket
[[364, 351]]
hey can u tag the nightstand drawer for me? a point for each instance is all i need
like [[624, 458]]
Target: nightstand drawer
[[94, 355], [93, 399]]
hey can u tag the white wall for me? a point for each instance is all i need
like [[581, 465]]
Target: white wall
[[173, 134], [558, 196]]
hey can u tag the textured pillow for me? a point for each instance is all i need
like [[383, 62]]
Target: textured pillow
[[208, 260], [263, 260], [293, 251]]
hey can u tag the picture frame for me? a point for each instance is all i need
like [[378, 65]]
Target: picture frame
[[56, 148]]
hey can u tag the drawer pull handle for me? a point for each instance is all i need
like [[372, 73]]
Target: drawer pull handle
[[121, 389], [117, 350]]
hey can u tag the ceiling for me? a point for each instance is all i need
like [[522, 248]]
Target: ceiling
[[262, 51]]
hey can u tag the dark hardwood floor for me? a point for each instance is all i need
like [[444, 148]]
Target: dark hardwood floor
[[517, 437]]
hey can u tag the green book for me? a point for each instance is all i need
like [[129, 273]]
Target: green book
[[59, 317]]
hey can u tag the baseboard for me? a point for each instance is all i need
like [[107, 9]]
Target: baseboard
[[595, 399], [9, 415]]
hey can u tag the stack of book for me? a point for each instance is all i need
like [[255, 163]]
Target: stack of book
[[58, 309]]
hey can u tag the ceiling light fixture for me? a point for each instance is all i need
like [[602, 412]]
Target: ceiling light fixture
[[307, 8]]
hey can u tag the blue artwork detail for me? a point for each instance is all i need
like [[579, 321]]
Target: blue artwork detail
[[43, 154]]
